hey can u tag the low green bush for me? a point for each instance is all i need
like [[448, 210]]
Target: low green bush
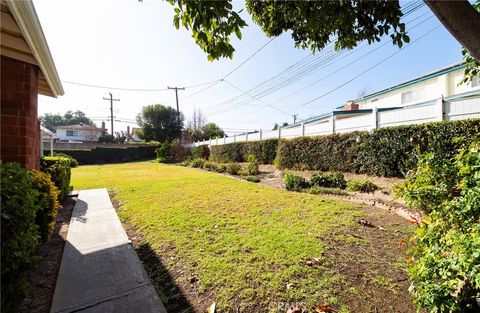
[[252, 165], [264, 151], [185, 163], [445, 255], [59, 170], [329, 180], [197, 162], [251, 178], [164, 153], [390, 151], [46, 201], [295, 182], [361, 185], [19, 232], [317, 190], [233, 168], [73, 162], [210, 165]]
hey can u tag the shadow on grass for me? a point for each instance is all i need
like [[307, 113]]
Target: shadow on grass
[[171, 294]]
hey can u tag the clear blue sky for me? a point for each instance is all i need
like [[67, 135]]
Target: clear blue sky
[[130, 44]]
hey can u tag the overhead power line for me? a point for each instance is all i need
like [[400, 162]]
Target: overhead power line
[[133, 89], [215, 82], [326, 60], [370, 68]]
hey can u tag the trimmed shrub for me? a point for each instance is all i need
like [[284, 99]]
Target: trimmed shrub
[[59, 170], [251, 178], [252, 165], [210, 165], [295, 182], [445, 256], [73, 162], [221, 167], [46, 201], [390, 151], [100, 155], [19, 234], [265, 151], [233, 168], [363, 185], [329, 180], [197, 162], [164, 153]]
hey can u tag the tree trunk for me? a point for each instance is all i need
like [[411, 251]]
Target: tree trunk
[[462, 20]]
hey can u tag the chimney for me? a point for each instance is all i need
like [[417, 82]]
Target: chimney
[[103, 128], [128, 131]]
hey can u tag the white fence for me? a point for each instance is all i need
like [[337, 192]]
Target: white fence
[[449, 109]]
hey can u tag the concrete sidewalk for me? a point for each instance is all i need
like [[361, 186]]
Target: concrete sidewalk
[[100, 271]]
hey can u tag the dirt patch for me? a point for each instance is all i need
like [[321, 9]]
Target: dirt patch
[[43, 276], [371, 262]]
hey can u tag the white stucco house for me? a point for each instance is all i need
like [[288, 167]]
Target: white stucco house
[[435, 96], [78, 133], [431, 86]]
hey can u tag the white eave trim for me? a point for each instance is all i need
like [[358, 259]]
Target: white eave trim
[[47, 131], [27, 20]]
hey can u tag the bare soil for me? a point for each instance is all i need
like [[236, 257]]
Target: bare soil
[[43, 276]]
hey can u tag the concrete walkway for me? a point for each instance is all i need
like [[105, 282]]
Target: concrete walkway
[[100, 271]]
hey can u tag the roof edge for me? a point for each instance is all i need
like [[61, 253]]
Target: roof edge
[[27, 20], [406, 83]]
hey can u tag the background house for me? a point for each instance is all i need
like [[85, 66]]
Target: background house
[[27, 70], [440, 83], [81, 132]]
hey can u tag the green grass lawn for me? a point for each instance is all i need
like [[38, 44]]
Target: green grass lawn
[[250, 248]]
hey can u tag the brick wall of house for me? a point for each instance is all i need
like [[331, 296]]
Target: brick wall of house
[[20, 129]]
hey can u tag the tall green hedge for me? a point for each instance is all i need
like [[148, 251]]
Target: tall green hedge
[[265, 151], [102, 155], [387, 152]]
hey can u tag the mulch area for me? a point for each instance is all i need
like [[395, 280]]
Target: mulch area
[[43, 276]]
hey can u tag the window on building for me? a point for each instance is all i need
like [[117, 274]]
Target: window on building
[[476, 82], [72, 133], [413, 96]]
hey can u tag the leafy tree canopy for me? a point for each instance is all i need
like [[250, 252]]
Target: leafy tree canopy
[[212, 130], [51, 121], [314, 24], [160, 123]]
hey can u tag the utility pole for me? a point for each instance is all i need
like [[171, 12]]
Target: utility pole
[[295, 118], [111, 110], [178, 110]]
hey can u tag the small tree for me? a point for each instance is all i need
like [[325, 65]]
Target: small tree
[[212, 130], [160, 123]]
